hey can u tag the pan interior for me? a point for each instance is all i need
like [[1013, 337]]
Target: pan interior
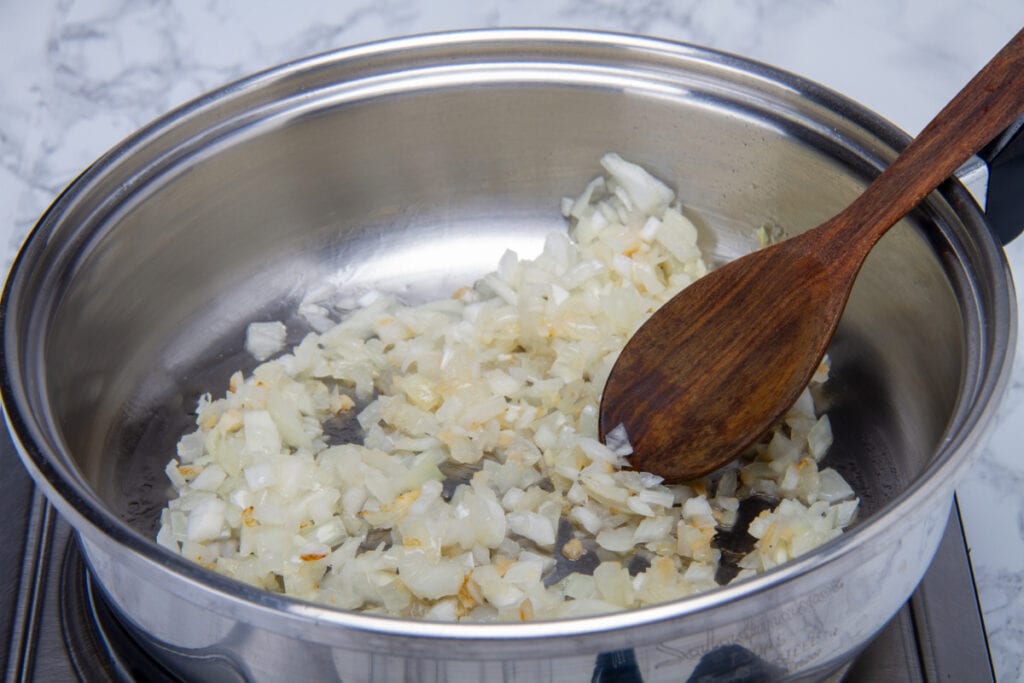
[[421, 194]]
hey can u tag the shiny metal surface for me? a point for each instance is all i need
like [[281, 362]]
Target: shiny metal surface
[[411, 166]]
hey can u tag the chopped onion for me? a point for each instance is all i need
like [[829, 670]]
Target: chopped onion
[[263, 340], [479, 467]]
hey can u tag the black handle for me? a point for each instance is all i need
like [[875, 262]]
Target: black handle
[[1004, 200], [617, 667], [724, 664], [734, 664]]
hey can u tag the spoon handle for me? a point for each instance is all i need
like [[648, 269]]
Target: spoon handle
[[985, 106]]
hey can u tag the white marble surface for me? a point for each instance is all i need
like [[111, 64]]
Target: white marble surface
[[78, 75]]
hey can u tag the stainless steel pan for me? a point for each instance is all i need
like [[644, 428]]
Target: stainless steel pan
[[412, 165]]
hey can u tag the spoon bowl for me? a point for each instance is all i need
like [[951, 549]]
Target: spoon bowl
[[722, 361]]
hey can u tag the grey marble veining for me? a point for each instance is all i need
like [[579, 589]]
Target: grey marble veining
[[78, 76]]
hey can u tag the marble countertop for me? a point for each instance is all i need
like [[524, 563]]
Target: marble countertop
[[76, 76]]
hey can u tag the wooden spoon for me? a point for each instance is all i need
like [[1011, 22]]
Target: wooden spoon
[[720, 363]]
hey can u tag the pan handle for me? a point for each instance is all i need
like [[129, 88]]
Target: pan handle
[[1004, 199], [724, 664], [619, 666]]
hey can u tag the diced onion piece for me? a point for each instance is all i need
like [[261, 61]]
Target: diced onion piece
[[263, 340], [533, 526], [261, 435], [206, 520]]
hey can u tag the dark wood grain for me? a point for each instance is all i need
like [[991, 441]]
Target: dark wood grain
[[716, 366]]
